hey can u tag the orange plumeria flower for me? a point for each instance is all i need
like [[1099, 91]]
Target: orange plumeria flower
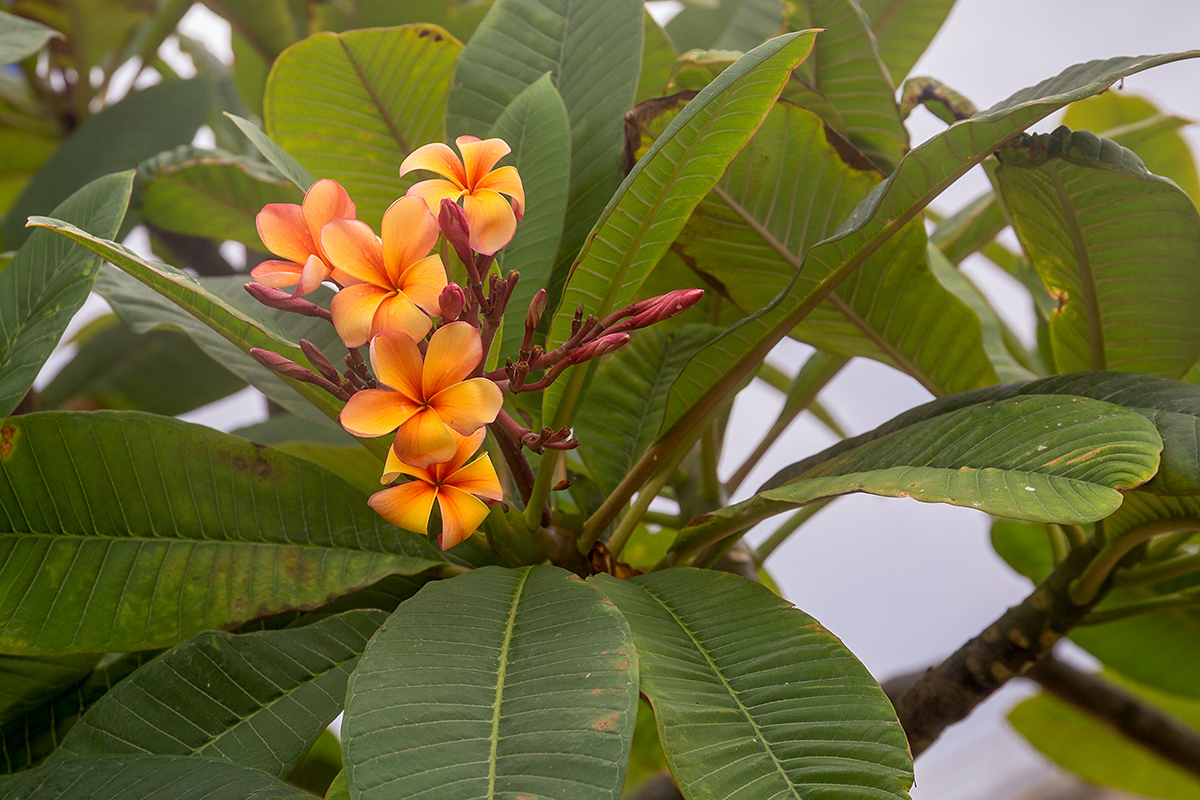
[[491, 219], [397, 281], [457, 489], [293, 232], [427, 402]]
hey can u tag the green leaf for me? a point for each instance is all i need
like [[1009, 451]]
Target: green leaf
[[148, 778], [237, 326], [788, 190], [1043, 458], [622, 412], [289, 167], [339, 789], [269, 26], [25, 151], [21, 37], [95, 31], [726, 25], [259, 700], [26, 683], [847, 70], [353, 464], [658, 59], [498, 683], [161, 371], [535, 125], [352, 106], [770, 708], [1136, 123], [970, 228], [119, 533], [210, 194], [1098, 754], [654, 202], [903, 29], [924, 173], [139, 126], [27, 739], [1118, 247], [48, 281]]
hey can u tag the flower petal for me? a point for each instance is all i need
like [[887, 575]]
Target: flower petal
[[397, 313], [467, 445], [454, 352], [435, 157], [393, 468], [461, 515], [468, 405], [480, 156], [282, 228], [424, 439], [276, 274], [396, 361], [433, 191], [313, 274], [423, 282], [353, 310], [351, 246], [406, 506], [507, 181], [478, 478], [375, 412], [492, 221], [409, 232], [325, 200]]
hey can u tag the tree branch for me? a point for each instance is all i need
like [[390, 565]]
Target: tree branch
[[1020, 638], [1125, 713]]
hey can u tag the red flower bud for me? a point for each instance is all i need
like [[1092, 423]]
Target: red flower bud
[[656, 309], [597, 348], [451, 302], [277, 298], [453, 222]]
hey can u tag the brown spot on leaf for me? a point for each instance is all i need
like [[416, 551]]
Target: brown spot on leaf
[[8, 435], [605, 723], [262, 469], [239, 464], [1085, 456]]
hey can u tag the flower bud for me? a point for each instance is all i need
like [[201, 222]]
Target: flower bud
[[451, 302], [277, 298], [656, 309], [537, 307], [453, 222], [599, 347]]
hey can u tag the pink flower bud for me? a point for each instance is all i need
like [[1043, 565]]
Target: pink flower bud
[[537, 307], [451, 302], [656, 309], [277, 298], [453, 222], [599, 347]]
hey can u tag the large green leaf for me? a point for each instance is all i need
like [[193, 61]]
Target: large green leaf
[[846, 69], [48, 281], [753, 698], [1100, 755], [352, 106], [240, 327], [658, 58], [28, 738], [1118, 248], [1134, 122], [145, 122], [622, 412], [161, 371], [26, 683], [257, 699], [147, 778], [592, 50], [21, 37], [924, 173], [654, 202], [726, 25], [126, 531], [498, 683], [1044, 458], [903, 29], [789, 189], [210, 194], [535, 125]]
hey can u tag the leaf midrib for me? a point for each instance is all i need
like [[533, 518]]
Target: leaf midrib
[[766, 748], [1083, 262], [501, 674]]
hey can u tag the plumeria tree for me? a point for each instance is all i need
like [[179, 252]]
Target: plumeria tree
[[508, 266]]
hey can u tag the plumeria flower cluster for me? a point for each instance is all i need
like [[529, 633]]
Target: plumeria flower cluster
[[427, 337]]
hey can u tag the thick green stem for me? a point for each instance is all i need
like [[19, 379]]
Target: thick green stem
[[629, 523], [1151, 574], [1166, 602], [1085, 588]]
